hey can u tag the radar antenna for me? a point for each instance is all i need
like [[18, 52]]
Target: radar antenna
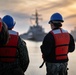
[[36, 15]]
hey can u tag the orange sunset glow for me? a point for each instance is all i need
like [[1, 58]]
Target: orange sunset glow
[[22, 10]]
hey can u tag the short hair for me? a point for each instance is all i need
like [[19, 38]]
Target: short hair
[[57, 24]]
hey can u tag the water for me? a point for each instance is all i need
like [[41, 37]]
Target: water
[[36, 60]]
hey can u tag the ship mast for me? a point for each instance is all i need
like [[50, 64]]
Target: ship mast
[[36, 15]]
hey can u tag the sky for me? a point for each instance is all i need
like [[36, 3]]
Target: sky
[[22, 10]]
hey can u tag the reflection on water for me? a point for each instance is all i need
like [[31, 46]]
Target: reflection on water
[[36, 60]]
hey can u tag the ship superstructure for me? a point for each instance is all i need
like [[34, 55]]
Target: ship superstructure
[[73, 33], [35, 32]]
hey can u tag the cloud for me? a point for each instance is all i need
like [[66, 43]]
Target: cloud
[[16, 14], [58, 5], [21, 9], [8, 3], [71, 16]]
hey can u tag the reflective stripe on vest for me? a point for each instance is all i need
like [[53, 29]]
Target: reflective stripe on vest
[[62, 39], [8, 52]]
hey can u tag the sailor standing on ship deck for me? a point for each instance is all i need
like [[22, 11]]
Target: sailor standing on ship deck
[[15, 59], [56, 46]]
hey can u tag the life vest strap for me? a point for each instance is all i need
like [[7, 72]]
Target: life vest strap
[[61, 57], [62, 45], [8, 56], [8, 46]]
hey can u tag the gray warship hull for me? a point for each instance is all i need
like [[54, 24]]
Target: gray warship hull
[[35, 33]]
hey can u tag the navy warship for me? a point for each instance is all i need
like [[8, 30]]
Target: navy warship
[[35, 32], [73, 33]]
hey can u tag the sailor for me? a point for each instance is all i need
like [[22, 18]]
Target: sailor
[[4, 35], [56, 46], [14, 57]]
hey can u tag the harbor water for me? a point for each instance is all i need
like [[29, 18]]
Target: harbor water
[[36, 60]]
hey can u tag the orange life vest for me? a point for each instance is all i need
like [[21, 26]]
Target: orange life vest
[[62, 39], [8, 52]]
